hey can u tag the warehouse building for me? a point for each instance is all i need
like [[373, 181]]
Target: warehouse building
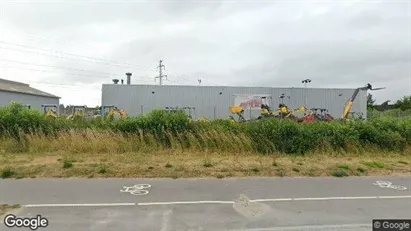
[[11, 91], [213, 102]]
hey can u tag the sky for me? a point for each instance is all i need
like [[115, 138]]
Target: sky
[[70, 48]]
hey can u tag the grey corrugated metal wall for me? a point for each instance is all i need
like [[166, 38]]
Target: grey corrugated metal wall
[[35, 101], [214, 101]]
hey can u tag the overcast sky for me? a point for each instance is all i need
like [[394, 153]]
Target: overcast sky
[[241, 43]]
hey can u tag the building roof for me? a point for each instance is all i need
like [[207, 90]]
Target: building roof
[[18, 87]]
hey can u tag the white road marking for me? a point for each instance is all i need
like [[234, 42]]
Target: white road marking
[[78, 205], [186, 202], [137, 189], [388, 184], [216, 202], [166, 220], [309, 227]]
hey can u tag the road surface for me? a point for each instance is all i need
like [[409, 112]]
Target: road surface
[[210, 204]]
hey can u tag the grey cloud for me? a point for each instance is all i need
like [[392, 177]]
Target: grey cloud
[[273, 43], [49, 15]]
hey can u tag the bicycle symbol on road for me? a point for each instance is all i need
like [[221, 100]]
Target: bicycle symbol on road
[[387, 184], [137, 189]]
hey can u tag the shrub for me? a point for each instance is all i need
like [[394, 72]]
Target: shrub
[[160, 129]]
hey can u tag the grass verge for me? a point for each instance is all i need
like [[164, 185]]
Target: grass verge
[[177, 164], [7, 208]]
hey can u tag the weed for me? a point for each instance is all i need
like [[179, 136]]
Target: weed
[[7, 173], [296, 170], [402, 162], [255, 169], [26, 130], [343, 166], [339, 173], [220, 176], [67, 164], [102, 169], [168, 165], [374, 164], [208, 164], [281, 172], [362, 170], [174, 176], [311, 172]]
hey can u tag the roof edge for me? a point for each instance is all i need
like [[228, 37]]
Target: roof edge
[[26, 93], [153, 85], [14, 82]]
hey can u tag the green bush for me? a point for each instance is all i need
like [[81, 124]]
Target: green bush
[[177, 130]]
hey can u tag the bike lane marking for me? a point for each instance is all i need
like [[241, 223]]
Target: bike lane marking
[[137, 190], [388, 184]]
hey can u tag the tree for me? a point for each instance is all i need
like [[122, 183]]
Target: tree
[[370, 101], [404, 103]]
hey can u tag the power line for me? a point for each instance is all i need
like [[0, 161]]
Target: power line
[[51, 72], [75, 55], [34, 64], [65, 85], [69, 58], [29, 69], [27, 35]]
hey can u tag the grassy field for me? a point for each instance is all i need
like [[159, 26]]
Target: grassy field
[[170, 145], [198, 164], [4, 209]]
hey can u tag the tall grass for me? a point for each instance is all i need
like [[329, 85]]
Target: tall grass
[[24, 130]]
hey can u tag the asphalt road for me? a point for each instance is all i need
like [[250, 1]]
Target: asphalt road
[[209, 204]]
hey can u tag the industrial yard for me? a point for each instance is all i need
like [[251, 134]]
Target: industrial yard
[[205, 115]]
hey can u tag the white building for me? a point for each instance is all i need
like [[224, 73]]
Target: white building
[[214, 101], [20, 92]]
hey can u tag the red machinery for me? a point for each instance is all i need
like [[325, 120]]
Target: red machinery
[[318, 114]]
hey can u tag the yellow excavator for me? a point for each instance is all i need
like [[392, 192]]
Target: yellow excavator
[[110, 112], [78, 112], [239, 111], [50, 110], [350, 102], [282, 111]]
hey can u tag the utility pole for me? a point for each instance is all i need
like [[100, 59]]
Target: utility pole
[[161, 76]]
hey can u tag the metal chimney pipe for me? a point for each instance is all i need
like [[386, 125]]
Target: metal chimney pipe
[[115, 81], [122, 81], [128, 78]]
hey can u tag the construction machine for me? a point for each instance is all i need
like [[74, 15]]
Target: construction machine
[[110, 111], [188, 110], [50, 110], [350, 102], [282, 112], [317, 114], [239, 111], [78, 112]]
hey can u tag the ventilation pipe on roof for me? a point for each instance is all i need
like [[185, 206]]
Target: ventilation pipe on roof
[[122, 81], [115, 81], [128, 78]]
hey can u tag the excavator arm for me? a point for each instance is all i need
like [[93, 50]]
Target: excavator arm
[[348, 107]]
